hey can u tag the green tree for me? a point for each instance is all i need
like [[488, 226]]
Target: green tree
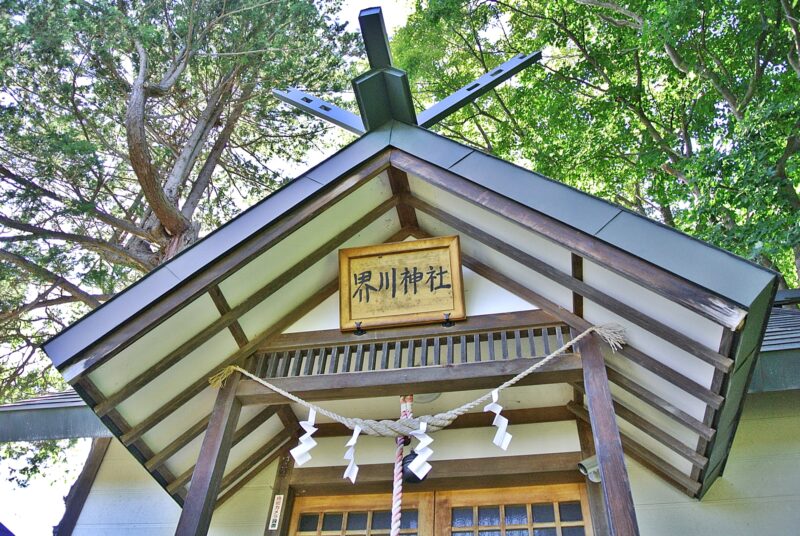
[[127, 129], [684, 111]]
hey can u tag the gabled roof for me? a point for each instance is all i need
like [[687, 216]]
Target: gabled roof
[[142, 360], [730, 277]]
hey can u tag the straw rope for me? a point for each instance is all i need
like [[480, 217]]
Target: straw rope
[[613, 334]]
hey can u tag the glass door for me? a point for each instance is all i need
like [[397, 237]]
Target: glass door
[[361, 515], [560, 510]]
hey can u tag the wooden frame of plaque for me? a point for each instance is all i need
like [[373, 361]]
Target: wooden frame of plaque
[[401, 283]]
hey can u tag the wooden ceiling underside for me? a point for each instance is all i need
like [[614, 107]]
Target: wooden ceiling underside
[[632, 394]]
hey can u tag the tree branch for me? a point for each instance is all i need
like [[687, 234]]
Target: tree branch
[[116, 253], [49, 276], [791, 18], [702, 70], [166, 213], [636, 21]]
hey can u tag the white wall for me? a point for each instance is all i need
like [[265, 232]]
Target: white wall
[[125, 500], [759, 493]]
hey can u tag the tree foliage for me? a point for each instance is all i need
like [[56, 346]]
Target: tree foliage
[[684, 111], [127, 129]]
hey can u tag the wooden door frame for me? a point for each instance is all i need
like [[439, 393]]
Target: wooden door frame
[[434, 507]]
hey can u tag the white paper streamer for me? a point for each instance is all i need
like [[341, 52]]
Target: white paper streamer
[[420, 466], [501, 438], [301, 452], [352, 469]]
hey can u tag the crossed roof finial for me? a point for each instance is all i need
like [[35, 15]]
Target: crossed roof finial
[[383, 92]]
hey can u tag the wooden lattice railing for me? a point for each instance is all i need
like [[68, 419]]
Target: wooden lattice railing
[[528, 334]]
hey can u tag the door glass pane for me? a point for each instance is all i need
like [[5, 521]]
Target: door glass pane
[[570, 511], [381, 520], [516, 515], [462, 517], [408, 519], [308, 522], [517, 532], [543, 513], [357, 521], [489, 516], [332, 522], [544, 532], [489, 533], [572, 531]]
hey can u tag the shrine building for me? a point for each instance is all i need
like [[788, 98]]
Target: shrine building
[[408, 264]]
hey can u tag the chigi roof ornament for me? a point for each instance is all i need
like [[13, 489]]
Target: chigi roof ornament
[[383, 92]]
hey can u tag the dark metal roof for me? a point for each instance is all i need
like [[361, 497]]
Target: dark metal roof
[[64, 399], [720, 272], [783, 330]]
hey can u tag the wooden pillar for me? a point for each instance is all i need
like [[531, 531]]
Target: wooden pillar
[[207, 476], [280, 512], [616, 486]]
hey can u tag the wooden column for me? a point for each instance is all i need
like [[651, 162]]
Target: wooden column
[[282, 492], [616, 486], [207, 476]]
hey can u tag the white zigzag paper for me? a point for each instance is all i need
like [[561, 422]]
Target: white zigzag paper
[[301, 452], [420, 466], [352, 469], [501, 438]]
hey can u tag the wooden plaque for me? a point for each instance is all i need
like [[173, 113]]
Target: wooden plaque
[[415, 282]]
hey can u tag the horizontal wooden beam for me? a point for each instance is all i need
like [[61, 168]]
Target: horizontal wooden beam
[[474, 324], [636, 451], [471, 420], [416, 380], [220, 268], [622, 309], [686, 293], [532, 469], [230, 319]]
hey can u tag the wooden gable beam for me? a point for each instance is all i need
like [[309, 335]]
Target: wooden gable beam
[[635, 450], [245, 430], [690, 295], [636, 356], [230, 318], [201, 383], [107, 347], [663, 331]]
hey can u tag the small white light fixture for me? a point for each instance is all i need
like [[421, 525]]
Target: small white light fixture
[[590, 469]]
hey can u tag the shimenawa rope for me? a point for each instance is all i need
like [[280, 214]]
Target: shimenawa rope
[[613, 334]]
